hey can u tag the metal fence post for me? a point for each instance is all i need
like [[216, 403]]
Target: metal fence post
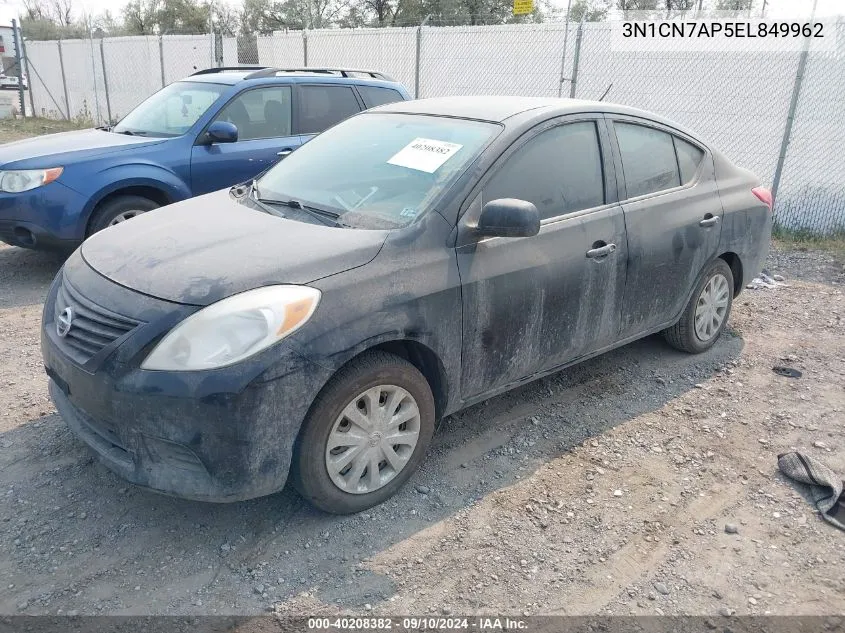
[[94, 78], [305, 47], [28, 75], [419, 57], [563, 55], [64, 79], [161, 57], [105, 81], [793, 105], [576, 59], [17, 37]]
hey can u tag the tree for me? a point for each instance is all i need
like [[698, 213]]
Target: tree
[[62, 12], [734, 5], [139, 17], [588, 10]]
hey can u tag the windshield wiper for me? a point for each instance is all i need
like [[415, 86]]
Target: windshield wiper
[[131, 132], [252, 195], [314, 212]]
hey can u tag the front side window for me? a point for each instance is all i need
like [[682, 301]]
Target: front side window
[[378, 170], [648, 159], [172, 110], [323, 106], [260, 113], [559, 170]]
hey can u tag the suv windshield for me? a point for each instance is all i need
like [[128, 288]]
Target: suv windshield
[[378, 170], [171, 111]]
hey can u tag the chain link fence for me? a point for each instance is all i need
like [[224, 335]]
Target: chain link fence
[[740, 101]]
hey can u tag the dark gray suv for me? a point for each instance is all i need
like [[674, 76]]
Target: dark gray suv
[[411, 261]]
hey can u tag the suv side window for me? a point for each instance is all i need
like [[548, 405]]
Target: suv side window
[[374, 96], [648, 159], [559, 170], [323, 106], [689, 158], [260, 113]]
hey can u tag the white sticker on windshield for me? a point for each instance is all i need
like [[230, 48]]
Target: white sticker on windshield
[[424, 154]]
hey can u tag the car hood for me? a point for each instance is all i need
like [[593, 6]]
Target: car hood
[[207, 248], [55, 146]]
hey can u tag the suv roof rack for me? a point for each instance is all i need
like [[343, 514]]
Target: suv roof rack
[[222, 69], [343, 72]]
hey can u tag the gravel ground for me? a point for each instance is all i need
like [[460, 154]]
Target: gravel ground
[[643, 481]]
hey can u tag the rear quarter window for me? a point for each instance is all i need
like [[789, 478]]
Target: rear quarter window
[[323, 106], [374, 96], [648, 159], [689, 158]]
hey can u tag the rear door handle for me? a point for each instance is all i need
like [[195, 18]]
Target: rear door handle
[[709, 220], [284, 152], [601, 251]]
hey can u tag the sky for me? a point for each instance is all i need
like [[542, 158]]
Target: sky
[[775, 8]]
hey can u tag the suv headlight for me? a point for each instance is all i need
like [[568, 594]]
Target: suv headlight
[[16, 181], [234, 328]]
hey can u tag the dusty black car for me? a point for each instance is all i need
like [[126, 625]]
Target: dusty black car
[[407, 263]]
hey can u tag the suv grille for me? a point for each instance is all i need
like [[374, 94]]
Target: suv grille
[[93, 327]]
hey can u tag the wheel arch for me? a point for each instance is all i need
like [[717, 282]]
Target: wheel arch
[[733, 260], [421, 356]]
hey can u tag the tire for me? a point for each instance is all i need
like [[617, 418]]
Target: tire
[[371, 373], [684, 335], [108, 212]]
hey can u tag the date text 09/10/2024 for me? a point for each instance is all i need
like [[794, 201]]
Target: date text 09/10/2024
[[424, 623]]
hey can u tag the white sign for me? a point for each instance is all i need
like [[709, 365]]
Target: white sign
[[424, 154]]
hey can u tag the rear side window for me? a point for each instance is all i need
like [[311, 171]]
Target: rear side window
[[323, 106], [648, 159], [689, 158], [374, 96], [559, 170]]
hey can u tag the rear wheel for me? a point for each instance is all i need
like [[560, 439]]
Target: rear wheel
[[119, 210], [707, 312], [365, 435]]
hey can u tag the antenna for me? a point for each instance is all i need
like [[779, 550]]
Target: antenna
[[605, 92]]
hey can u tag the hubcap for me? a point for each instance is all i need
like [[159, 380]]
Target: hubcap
[[126, 215], [373, 439], [711, 308]]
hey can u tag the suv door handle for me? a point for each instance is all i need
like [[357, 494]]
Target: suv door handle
[[601, 251], [709, 220], [284, 152]]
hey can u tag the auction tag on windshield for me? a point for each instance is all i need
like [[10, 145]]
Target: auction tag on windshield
[[424, 154]]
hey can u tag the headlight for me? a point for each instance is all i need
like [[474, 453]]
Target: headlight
[[26, 179], [233, 329]]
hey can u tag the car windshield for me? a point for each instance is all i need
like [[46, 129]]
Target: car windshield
[[377, 170], [171, 111]]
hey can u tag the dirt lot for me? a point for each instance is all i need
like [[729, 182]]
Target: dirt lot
[[605, 489]]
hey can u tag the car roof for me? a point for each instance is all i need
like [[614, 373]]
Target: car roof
[[231, 75], [500, 108]]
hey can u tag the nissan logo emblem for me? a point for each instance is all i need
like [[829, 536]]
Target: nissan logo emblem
[[64, 322]]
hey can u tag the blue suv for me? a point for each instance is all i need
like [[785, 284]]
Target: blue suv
[[216, 128]]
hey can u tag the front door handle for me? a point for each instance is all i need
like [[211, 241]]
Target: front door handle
[[284, 152], [709, 220], [601, 251]]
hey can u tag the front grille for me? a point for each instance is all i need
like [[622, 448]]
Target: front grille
[[92, 327]]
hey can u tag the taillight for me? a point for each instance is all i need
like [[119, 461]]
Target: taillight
[[764, 195]]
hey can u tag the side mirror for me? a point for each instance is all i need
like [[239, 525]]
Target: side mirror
[[221, 132], [508, 217]]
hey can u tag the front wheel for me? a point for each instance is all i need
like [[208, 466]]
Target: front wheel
[[707, 312], [119, 210], [365, 434]]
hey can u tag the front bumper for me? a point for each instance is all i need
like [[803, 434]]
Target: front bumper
[[48, 217], [221, 435]]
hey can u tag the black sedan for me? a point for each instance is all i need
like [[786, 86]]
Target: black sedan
[[416, 259]]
